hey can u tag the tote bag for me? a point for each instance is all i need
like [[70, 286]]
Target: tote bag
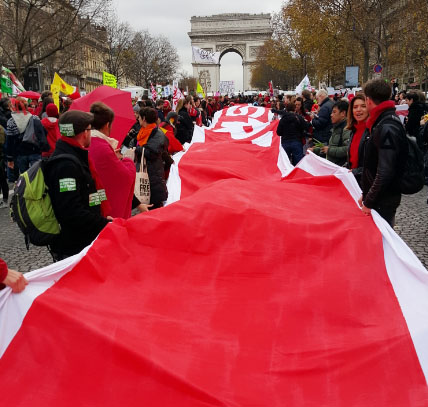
[[142, 183]]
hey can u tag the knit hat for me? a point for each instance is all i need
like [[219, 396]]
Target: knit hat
[[74, 122], [52, 110]]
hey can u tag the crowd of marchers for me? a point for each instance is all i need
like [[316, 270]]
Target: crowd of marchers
[[361, 132], [91, 181]]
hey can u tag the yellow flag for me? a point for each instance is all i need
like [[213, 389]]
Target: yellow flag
[[55, 94], [109, 80], [64, 87], [200, 90]]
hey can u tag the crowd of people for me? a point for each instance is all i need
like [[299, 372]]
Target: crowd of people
[[91, 180], [361, 132]]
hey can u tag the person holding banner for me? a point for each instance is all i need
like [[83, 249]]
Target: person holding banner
[[185, 125], [117, 174], [155, 145], [11, 278]]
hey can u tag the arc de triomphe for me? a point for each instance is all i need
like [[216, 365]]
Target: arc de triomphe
[[240, 33]]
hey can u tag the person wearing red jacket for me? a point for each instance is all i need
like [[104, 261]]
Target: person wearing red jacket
[[50, 124], [168, 127], [11, 278]]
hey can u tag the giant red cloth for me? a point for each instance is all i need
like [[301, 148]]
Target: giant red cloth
[[228, 297]]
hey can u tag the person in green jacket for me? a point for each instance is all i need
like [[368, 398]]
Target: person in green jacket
[[337, 149]]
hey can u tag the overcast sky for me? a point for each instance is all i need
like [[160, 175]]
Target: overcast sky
[[172, 19]]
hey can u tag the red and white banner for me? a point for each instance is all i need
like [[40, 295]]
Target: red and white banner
[[259, 284], [153, 91]]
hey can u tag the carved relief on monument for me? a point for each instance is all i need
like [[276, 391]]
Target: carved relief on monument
[[254, 51], [205, 79]]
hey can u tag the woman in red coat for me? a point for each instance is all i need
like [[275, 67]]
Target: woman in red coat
[[117, 174]]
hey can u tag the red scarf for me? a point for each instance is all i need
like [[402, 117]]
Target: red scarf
[[105, 206], [353, 150], [375, 112]]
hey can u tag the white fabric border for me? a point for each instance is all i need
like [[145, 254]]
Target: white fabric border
[[14, 307], [409, 278]]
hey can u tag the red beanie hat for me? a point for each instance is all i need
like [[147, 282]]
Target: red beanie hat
[[52, 110]]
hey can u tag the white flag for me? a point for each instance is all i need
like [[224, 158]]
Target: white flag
[[305, 84], [167, 91], [159, 90], [201, 56]]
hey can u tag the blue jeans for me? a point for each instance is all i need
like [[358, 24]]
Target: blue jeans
[[294, 150], [26, 161]]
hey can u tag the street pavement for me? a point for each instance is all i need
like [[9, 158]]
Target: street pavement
[[411, 225]]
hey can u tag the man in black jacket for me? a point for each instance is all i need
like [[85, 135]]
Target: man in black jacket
[[77, 200], [385, 153]]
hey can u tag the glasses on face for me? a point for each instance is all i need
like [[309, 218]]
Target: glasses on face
[[88, 129]]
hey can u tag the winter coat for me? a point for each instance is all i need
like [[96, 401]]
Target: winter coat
[[5, 115], [416, 111], [174, 145], [15, 130], [3, 272], [53, 135], [385, 153], [291, 127], [322, 124], [2, 142], [153, 151], [307, 105], [131, 138], [339, 143], [184, 126], [117, 176], [71, 188]]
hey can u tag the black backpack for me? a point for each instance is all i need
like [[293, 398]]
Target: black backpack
[[412, 178]]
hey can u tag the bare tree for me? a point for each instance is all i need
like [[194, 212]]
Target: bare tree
[[34, 30], [119, 40], [151, 59]]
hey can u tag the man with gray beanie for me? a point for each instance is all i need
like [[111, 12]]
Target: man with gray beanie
[[78, 198]]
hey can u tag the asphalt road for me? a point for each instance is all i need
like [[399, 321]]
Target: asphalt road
[[411, 225]]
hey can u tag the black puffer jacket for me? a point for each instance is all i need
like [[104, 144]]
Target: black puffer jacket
[[322, 124], [153, 151], [385, 152], [71, 188], [291, 127]]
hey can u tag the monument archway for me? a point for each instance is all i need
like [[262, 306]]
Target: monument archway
[[240, 33]]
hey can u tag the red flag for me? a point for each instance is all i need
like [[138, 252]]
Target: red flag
[[233, 295], [270, 88]]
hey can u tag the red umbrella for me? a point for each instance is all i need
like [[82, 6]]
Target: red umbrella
[[118, 100], [29, 94]]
